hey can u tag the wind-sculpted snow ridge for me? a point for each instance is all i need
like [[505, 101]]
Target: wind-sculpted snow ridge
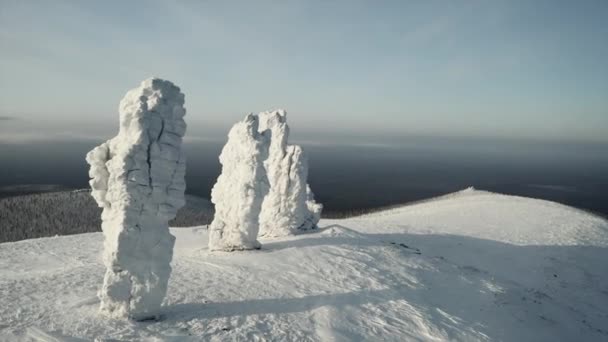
[[137, 178], [240, 189], [289, 206]]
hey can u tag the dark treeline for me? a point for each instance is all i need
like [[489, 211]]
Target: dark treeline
[[74, 212]]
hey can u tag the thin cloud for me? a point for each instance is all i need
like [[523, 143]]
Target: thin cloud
[[7, 118]]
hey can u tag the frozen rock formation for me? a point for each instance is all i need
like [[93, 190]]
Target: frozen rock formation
[[289, 206], [137, 177], [240, 189], [314, 210]]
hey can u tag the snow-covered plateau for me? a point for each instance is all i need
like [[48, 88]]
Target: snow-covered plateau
[[469, 266]]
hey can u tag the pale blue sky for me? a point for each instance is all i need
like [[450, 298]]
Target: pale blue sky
[[442, 68]]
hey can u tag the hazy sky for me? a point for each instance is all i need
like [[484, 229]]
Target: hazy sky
[[448, 68]]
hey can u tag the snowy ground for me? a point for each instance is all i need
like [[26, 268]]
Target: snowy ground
[[469, 266]]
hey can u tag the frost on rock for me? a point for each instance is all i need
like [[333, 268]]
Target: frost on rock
[[137, 177], [314, 209], [240, 189], [289, 206]]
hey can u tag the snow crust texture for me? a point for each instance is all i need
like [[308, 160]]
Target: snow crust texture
[[240, 188], [289, 206], [474, 266], [137, 177]]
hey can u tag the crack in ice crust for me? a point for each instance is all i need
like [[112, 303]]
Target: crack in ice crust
[[137, 178], [149, 162]]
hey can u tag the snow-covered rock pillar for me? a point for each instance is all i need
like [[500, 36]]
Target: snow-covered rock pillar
[[137, 178], [314, 210], [289, 206], [240, 189]]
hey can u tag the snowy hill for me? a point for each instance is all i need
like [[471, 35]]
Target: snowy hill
[[470, 266]]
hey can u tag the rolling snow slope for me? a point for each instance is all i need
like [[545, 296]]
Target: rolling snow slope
[[470, 266]]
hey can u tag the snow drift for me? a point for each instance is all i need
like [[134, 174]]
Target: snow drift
[[137, 178], [289, 205], [240, 188]]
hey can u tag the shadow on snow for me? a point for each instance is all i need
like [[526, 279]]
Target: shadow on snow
[[508, 285]]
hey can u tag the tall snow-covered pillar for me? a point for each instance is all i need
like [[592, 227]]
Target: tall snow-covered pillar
[[240, 189], [289, 206], [137, 177]]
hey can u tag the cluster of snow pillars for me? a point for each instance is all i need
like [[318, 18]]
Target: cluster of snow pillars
[[262, 188], [289, 206], [240, 189], [137, 177]]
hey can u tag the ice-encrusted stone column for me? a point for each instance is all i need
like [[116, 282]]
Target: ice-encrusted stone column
[[240, 189], [289, 206], [137, 177], [314, 211]]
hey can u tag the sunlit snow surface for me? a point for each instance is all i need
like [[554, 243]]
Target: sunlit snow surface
[[468, 266]]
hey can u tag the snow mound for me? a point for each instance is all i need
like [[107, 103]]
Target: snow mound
[[340, 231], [473, 266], [504, 218]]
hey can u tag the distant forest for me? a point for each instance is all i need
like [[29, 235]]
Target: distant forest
[[75, 212]]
